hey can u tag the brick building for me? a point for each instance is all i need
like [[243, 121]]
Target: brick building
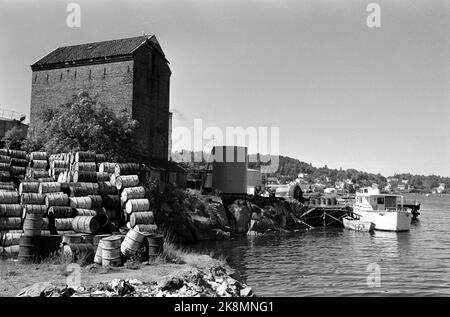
[[131, 73]]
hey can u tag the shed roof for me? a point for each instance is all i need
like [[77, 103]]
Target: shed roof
[[97, 50]]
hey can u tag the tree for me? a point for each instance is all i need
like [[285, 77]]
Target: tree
[[84, 124], [14, 139]]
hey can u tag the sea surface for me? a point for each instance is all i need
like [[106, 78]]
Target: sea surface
[[340, 262]]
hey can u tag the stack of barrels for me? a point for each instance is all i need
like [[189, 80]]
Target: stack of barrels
[[57, 217], [10, 223], [5, 166], [60, 166], [38, 166], [19, 163]]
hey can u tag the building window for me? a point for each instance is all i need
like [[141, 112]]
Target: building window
[[104, 72], [380, 200], [128, 68], [60, 77], [35, 78], [90, 73], [75, 75], [47, 78]]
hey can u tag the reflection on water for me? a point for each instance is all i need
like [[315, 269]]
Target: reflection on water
[[334, 261]]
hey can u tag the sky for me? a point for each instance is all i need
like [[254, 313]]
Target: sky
[[341, 93]]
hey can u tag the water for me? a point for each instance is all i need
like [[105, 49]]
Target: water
[[340, 262]]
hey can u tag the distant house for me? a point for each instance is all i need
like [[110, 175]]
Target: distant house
[[339, 185], [401, 187], [302, 175], [388, 187], [392, 180], [329, 190], [404, 181]]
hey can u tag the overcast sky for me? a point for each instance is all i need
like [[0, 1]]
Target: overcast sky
[[342, 94]]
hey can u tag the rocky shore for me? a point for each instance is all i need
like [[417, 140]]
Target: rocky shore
[[190, 217]]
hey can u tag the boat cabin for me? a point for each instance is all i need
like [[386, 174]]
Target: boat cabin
[[370, 199]]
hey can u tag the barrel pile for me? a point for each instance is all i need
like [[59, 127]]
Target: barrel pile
[[74, 201]]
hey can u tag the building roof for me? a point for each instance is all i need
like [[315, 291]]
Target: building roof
[[97, 50], [164, 165]]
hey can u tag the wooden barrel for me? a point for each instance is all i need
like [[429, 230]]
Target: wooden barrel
[[72, 238], [55, 172], [96, 201], [112, 179], [85, 212], [38, 164], [7, 187], [17, 170], [98, 253], [85, 156], [37, 174], [107, 167], [81, 202], [96, 239], [86, 224], [141, 218], [127, 181], [5, 176], [63, 224], [61, 212], [106, 188], [29, 249], [146, 228], [126, 169], [84, 166], [18, 154], [59, 164], [32, 199], [10, 238], [111, 201], [10, 223], [56, 199], [32, 225], [133, 193], [4, 152], [6, 159], [81, 252], [102, 177], [85, 176], [28, 187], [11, 252], [5, 167], [38, 156], [155, 244], [10, 210], [83, 189], [19, 162], [46, 180], [133, 205], [100, 157], [9, 198], [111, 255], [33, 209], [132, 242], [49, 187]]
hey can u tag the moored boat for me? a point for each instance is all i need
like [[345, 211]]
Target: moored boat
[[386, 211], [358, 225]]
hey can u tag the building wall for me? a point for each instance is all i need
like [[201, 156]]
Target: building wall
[[6, 125], [113, 82], [151, 100]]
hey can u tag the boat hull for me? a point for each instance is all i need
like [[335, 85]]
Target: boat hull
[[358, 225], [387, 220]]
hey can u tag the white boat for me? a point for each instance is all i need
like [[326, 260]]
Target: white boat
[[386, 211], [358, 225]]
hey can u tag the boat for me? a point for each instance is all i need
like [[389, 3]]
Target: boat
[[386, 211], [358, 225]]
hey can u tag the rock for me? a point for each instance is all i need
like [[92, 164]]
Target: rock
[[242, 216], [36, 290], [172, 284]]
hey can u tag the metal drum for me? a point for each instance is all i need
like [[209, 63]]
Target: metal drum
[[111, 254], [29, 249], [132, 242], [32, 225]]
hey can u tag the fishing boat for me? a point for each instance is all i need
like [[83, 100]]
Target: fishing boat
[[386, 211], [358, 225]]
